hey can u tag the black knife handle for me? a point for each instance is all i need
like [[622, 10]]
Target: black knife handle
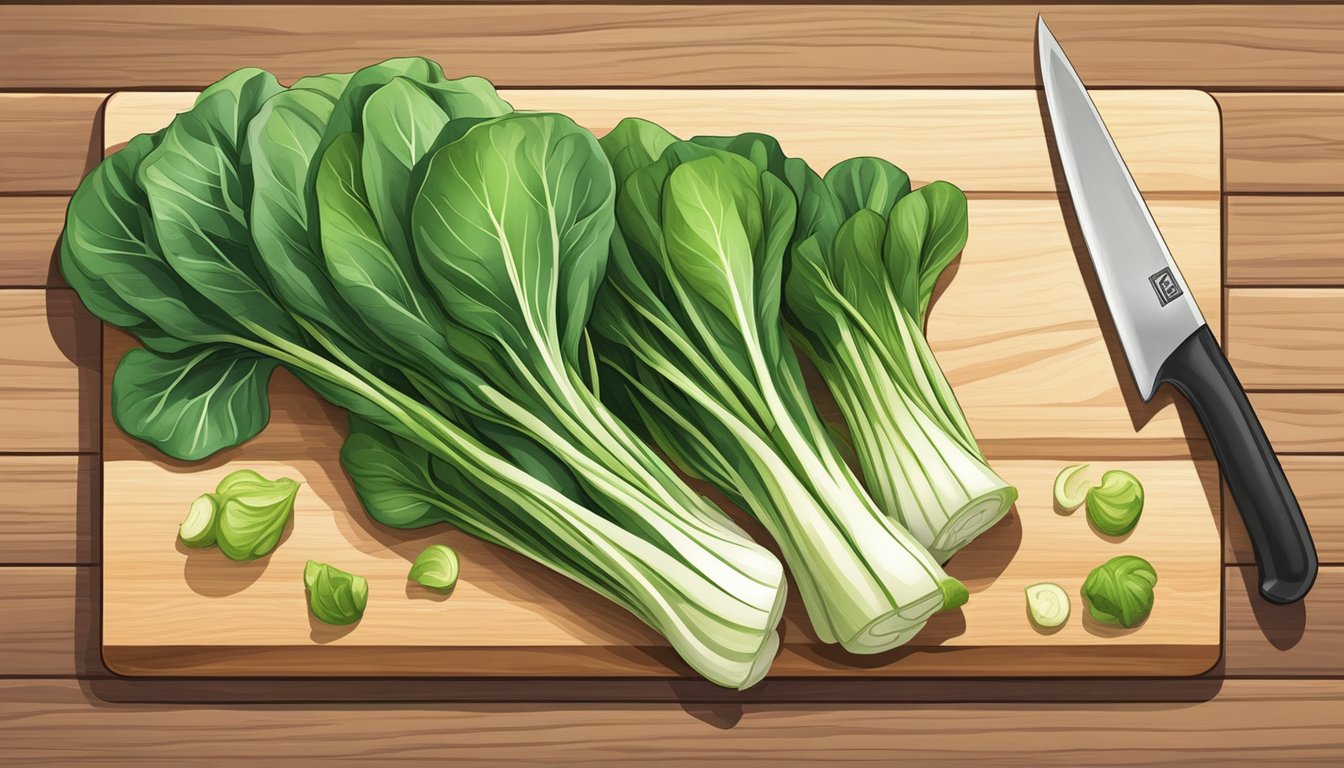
[[1279, 535]]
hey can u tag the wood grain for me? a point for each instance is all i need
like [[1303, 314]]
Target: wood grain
[[46, 509], [46, 140], [1245, 723], [1262, 639], [995, 339], [697, 44], [1257, 723], [1285, 241], [1287, 338], [49, 362], [30, 229], [41, 609], [1018, 246], [1302, 422], [1298, 639], [1169, 138], [1316, 481], [179, 611], [1283, 141]]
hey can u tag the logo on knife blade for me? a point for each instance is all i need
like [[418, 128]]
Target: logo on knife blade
[[1166, 287]]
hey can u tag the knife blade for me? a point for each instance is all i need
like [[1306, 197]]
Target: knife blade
[[1162, 331]]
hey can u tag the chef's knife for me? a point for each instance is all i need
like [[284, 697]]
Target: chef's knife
[[1163, 332]]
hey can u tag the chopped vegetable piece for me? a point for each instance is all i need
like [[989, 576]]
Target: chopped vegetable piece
[[1115, 505], [1071, 487], [1120, 591], [1048, 604], [198, 530], [335, 596], [435, 568], [253, 512]]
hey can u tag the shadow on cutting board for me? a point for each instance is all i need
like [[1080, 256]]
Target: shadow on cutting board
[[715, 706]]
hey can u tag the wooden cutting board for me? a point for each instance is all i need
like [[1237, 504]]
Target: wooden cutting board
[[1016, 328]]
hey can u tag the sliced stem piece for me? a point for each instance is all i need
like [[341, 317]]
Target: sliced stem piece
[[198, 530], [1048, 604]]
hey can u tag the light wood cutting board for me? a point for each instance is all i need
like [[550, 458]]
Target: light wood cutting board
[[1016, 328]]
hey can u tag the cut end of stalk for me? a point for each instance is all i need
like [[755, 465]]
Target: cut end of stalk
[[896, 628], [973, 519]]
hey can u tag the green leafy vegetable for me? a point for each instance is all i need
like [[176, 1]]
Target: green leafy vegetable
[[1072, 487], [335, 596], [864, 264], [192, 402], [198, 530], [424, 258], [1120, 591], [253, 513], [436, 567], [1114, 506], [1048, 605], [688, 335]]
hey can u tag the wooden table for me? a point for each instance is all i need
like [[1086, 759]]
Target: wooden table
[[1277, 696]]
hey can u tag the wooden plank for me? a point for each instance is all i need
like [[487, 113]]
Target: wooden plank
[[1283, 142], [567, 691], [45, 606], [30, 230], [1285, 241], [46, 140], [1287, 338], [1302, 422], [1263, 639], [1316, 481], [46, 509], [1017, 362], [692, 44], [49, 363], [43, 609], [1169, 138], [1245, 723]]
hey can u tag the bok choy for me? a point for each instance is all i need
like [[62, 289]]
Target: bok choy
[[690, 342], [857, 296], [423, 257], [864, 258]]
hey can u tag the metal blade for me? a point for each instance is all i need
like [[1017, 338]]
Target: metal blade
[[1149, 301]]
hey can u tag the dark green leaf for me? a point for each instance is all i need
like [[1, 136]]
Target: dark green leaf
[[633, 144], [927, 231], [282, 140], [195, 403], [867, 183], [199, 200], [512, 229], [402, 124]]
